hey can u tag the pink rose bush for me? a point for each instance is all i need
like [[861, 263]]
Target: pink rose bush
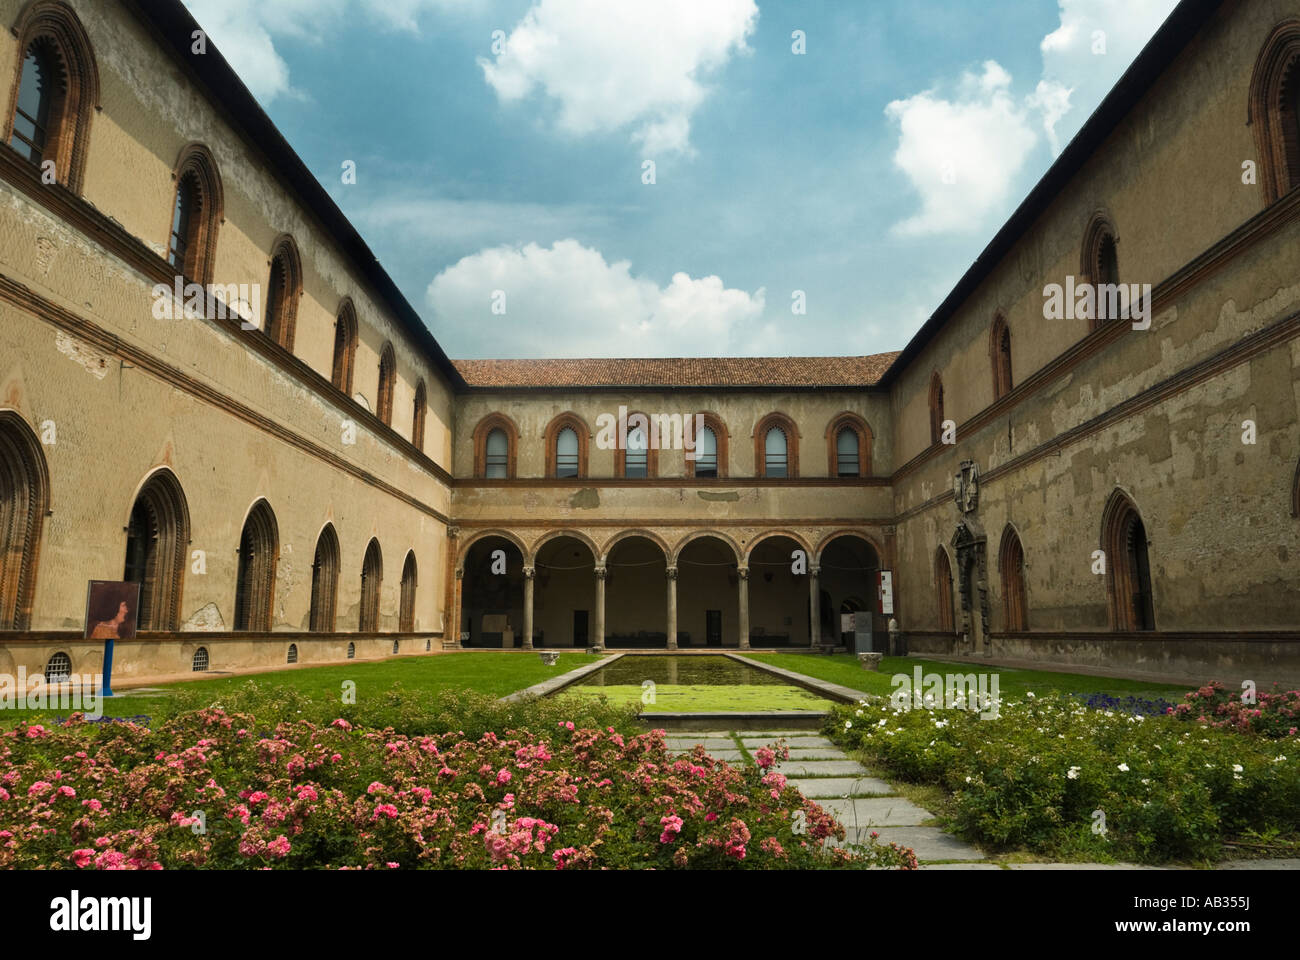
[[1273, 714], [206, 790]]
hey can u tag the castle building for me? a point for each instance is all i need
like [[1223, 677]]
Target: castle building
[[1088, 456]]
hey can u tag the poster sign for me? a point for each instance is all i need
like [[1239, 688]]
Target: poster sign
[[112, 610], [846, 623], [885, 589]]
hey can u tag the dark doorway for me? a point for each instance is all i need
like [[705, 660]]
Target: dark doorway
[[713, 628], [580, 628]]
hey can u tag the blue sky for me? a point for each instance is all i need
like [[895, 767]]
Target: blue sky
[[500, 149]]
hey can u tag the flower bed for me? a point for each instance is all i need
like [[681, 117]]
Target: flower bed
[[1070, 782], [1273, 714], [207, 789]]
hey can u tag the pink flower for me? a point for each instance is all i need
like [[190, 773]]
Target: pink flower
[[764, 757], [82, 857], [672, 825], [279, 847], [393, 866], [35, 731], [307, 792], [341, 724], [257, 796], [387, 809], [568, 724], [66, 791], [38, 788], [503, 777]]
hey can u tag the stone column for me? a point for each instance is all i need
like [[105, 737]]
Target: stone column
[[598, 641], [672, 608], [529, 574], [815, 601], [455, 607], [743, 572]]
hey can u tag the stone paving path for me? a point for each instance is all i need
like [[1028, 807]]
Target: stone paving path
[[865, 803]]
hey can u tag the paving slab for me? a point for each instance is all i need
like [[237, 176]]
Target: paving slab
[[827, 787], [801, 743], [771, 736], [1080, 866], [821, 768], [816, 753], [1260, 865], [959, 866], [709, 743], [929, 843], [876, 812]]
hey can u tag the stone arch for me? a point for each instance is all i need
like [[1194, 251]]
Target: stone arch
[[372, 582], [24, 503], [410, 581], [546, 538], [158, 535], [258, 553], [627, 535], [943, 581], [197, 164], [770, 534], [686, 541], [473, 538], [1099, 262], [1011, 576], [345, 346], [1126, 543], [846, 532], [387, 383], [326, 564], [283, 291], [1272, 110]]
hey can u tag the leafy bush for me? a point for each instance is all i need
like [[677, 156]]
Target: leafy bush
[[1274, 714], [1040, 774], [206, 789]]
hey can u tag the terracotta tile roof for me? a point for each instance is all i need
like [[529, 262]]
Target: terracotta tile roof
[[679, 372]]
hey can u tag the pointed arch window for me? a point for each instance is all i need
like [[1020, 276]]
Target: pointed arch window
[[259, 550], [1011, 567], [776, 447], [418, 415], [1000, 352], [283, 292], [345, 348], [1274, 110], [55, 91], [195, 215], [372, 578], [937, 416], [848, 446], [495, 438], [1100, 268], [710, 447], [324, 581], [406, 615], [157, 538], [24, 500], [387, 379], [566, 446], [636, 458]]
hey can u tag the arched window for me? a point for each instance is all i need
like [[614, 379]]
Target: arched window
[[352, 651], [157, 538], [199, 664], [283, 292], [710, 447], [566, 446], [55, 91], [345, 347], [1128, 567], [1000, 353], [372, 578], [417, 416], [259, 551], [387, 378], [636, 457], [936, 408], [776, 447], [406, 616], [293, 653], [24, 500], [1100, 268], [943, 589], [848, 445], [58, 669], [324, 581], [196, 214], [1274, 110], [1011, 566], [494, 447]]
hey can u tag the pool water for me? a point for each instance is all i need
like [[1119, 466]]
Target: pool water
[[690, 684]]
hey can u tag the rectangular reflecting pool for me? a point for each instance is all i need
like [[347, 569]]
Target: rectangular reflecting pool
[[695, 684]]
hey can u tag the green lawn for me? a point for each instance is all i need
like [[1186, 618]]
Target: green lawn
[[845, 669], [495, 674]]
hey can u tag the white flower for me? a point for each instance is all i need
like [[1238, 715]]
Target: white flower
[[1145, 781], [882, 723], [1123, 768], [848, 724], [968, 779], [1030, 695], [1237, 768], [1279, 759]]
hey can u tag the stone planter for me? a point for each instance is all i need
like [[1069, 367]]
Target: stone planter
[[549, 657]]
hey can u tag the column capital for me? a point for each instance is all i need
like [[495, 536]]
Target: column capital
[[460, 573], [453, 532], [672, 573], [743, 572], [530, 572], [601, 573], [815, 570]]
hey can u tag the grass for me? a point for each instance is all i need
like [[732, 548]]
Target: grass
[[846, 670], [711, 698], [489, 673]]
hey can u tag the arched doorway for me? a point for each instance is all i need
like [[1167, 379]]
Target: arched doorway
[[158, 534], [707, 594], [259, 550], [780, 602], [564, 598], [372, 581], [970, 544], [636, 606], [24, 500], [1128, 566], [406, 609], [849, 564], [492, 593], [324, 582]]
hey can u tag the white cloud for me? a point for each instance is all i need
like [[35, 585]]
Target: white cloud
[[566, 301], [962, 155], [245, 30], [610, 65], [1085, 56]]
